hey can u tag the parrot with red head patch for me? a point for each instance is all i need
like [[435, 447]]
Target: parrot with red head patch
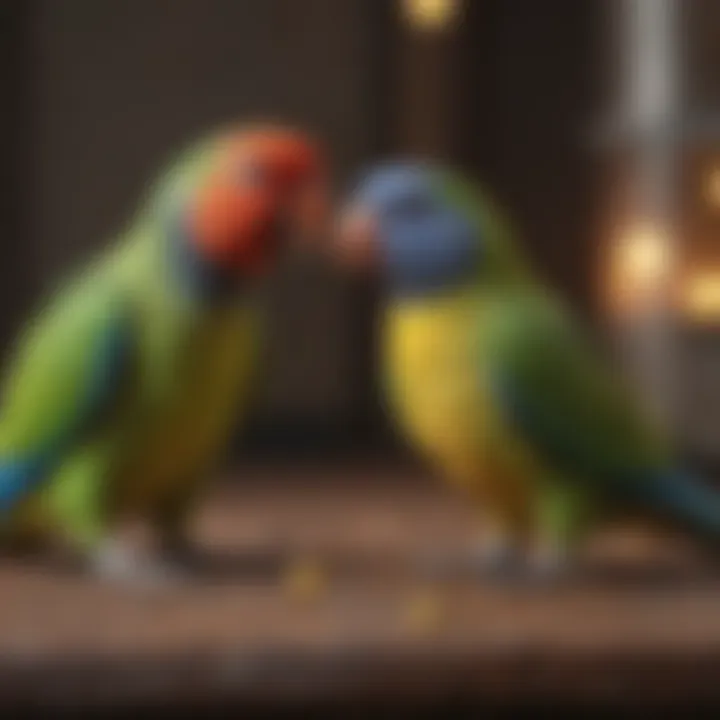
[[125, 387]]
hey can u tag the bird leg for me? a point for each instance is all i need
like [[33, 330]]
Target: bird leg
[[561, 521], [118, 562], [172, 520], [498, 552]]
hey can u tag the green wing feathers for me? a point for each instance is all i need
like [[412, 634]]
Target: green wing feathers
[[66, 374], [555, 389]]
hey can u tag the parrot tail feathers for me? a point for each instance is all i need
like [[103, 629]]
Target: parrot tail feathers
[[687, 501]]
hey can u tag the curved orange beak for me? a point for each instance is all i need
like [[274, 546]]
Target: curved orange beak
[[309, 211], [356, 242]]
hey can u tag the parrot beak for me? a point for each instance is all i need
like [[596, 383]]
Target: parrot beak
[[309, 212], [356, 242]]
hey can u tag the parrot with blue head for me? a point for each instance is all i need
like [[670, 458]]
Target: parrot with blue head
[[492, 378], [126, 385]]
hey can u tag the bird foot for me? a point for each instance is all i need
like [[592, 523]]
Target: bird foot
[[118, 564], [495, 561], [548, 567]]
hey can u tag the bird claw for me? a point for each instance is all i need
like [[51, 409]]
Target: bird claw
[[119, 565], [491, 561], [548, 567], [495, 561]]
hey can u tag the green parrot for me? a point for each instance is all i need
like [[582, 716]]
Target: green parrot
[[123, 390], [492, 378]]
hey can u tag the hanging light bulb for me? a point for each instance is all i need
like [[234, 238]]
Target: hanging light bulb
[[641, 262], [431, 15], [701, 296]]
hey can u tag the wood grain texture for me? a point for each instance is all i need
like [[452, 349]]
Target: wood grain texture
[[641, 625]]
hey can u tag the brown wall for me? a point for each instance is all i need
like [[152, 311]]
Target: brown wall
[[531, 79], [700, 28], [16, 266], [118, 84]]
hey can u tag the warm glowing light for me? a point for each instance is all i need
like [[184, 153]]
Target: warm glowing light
[[431, 14], [640, 264], [701, 295], [644, 255], [712, 187]]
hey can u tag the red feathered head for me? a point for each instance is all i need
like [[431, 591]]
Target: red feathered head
[[264, 185]]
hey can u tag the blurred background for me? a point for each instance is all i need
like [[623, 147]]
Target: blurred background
[[594, 121], [99, 95]]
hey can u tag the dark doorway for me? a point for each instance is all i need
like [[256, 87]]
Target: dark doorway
[[529, 95]]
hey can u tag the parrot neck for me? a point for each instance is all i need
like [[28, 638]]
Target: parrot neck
[[196, 276], [509, 271]]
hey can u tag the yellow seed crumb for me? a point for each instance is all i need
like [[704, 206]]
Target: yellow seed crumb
[[305, 580], [424, 613]]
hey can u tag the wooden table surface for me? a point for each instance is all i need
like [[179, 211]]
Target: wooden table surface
[[642, 624]]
